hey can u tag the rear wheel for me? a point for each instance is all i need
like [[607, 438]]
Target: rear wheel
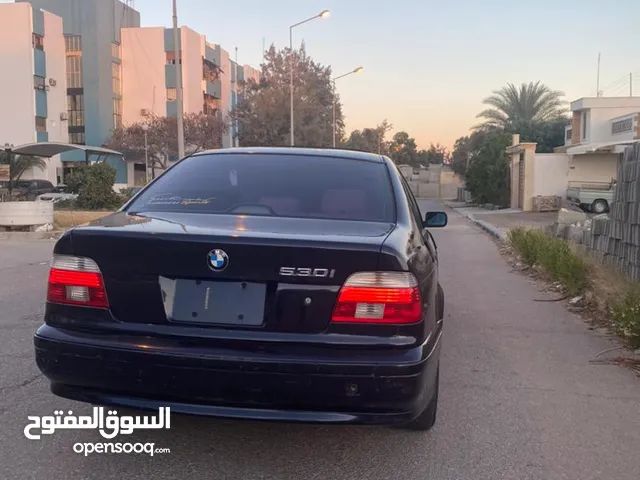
[[599, 206], [427, 418]]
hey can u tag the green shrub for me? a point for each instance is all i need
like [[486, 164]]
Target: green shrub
[[96, 193], [553, 255], [76, 179], [625, 316]]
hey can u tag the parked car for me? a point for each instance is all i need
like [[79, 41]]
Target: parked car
[[59, 193], [26, 189], [593, 197], [266, 283]]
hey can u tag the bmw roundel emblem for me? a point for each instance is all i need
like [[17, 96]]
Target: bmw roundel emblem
[[217, 260]]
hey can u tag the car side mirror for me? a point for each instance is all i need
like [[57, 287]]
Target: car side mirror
[[435, 220]]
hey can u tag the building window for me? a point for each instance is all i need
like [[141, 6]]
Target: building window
[[568, 134], [585, 120], [38, 41], [74, 72], [116, 50], [172, 94], [38, 82], [116, 69], [117, 113], [622, 126], [77, 138], [41, 124], [75, 108], [73, 43]]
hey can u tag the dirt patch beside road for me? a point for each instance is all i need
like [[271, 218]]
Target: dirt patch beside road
[[70, 218]]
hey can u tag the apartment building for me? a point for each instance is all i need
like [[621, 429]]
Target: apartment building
[[93, 68], [34, 86], [212, 81]]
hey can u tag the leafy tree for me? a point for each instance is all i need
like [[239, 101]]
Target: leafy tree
[[464, 150], [371, 140], [201, 132], [514, 108], [437, 154], [404, 149], [487, 177], [547, 135], [97, 191], [18, 165], [263, 115]]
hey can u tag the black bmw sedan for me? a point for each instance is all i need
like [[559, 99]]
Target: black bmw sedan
[[280, 284]]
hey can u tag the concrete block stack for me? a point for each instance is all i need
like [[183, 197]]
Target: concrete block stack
[[617, 236]]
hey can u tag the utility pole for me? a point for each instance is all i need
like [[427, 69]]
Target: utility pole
[[598, 78], [179, 92]]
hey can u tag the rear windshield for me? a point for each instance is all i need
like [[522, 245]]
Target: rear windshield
[[268, 184]]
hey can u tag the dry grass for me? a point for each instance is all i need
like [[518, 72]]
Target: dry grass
[[70, 218]]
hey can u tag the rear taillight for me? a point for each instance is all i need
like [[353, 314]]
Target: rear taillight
[[379, 297], [76, 281]]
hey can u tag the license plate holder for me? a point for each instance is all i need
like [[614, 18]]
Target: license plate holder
[[213, 302]]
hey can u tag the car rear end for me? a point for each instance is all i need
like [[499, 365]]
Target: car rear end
[[244, 285]]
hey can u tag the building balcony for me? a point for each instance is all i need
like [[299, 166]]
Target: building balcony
[[213, 53], [213, 89], [39, 63], [172, 109], [41, 103], [171, 76]]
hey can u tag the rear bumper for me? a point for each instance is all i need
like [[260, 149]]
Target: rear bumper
[[339, 387]]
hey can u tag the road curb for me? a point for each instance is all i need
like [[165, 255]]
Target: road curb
[[487, 227]]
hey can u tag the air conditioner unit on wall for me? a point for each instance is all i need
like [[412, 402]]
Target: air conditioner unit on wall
[[144, 112], [64, 116], [52, 82]]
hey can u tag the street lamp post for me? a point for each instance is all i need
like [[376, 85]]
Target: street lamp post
[[355, 70], [322, 14], [145, 129], [177, 48]]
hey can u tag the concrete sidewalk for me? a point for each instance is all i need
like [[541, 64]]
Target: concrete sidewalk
[[499, 222]]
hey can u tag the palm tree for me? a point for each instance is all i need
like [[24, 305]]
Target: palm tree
[[513, 108], [18, 165]]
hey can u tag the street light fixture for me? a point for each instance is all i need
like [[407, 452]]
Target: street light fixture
[[355, 70], [322, 14]]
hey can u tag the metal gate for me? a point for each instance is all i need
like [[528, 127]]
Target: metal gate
[[521, 182]]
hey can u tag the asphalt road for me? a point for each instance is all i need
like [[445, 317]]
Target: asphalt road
[[519, 398]]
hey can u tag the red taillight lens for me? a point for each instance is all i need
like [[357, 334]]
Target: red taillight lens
[[76, 281], [379, 297]]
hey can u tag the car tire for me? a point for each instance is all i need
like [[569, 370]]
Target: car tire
[[600, 206], [427, 419]]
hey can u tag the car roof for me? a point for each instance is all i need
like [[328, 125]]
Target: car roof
[[299, 151]]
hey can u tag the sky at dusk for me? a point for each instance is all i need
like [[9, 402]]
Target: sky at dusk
[[428, 64]]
